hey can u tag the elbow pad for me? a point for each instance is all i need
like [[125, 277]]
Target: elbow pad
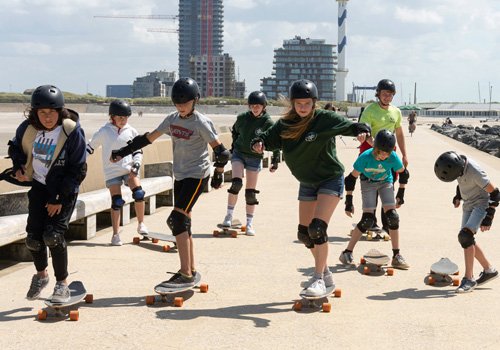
[[350, 183]]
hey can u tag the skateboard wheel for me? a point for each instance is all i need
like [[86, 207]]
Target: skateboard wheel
[[327, 307], [178, 301], [456, 282], [386, 237], [243, 228], [42, 315], [216, 233], [456, 273], [203, 287], [431, 280], [150, 300], [136, 240], [297, 306], [155, 240], [166, 248], [89, 298], [362, 261], [390, 271], [234, 234], [337, 293], [369, 237], [366, 270], [74, 315]]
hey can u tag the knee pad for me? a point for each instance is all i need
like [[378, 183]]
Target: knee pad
[[138, 194], [303, 236], [466, 238], [33, 244], [392, 219], [54, 239], [117, 202], [178, 223], [236, 185], [367, 221], [317, 231], [250, 197]]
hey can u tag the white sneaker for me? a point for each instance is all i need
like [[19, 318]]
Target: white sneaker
[[115, 240], [327, 278], [228, 221], [250, 231], [142, 229], [317, 288]]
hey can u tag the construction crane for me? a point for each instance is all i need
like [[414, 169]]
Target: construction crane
[[354, 88], [162, 30], [159, 17]]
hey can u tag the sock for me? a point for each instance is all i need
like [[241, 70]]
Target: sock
[[395, 252], [491, 269], [249, 219], [230, 210], [318, 276]]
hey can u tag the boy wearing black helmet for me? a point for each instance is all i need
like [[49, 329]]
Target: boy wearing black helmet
[[48, 152], [116, 133], [375, 167], [480, 198], [190, 132], [248, 125], [307, 137]]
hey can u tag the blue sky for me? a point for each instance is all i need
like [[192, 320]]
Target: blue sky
[[447, 47]]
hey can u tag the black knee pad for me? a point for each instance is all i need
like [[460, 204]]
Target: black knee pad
[[236, 185], [466, 238], [303, 236], [250, 197], [392, 219], [178, 223], [117, 202], [33, 244], [138, 194], [367, 221], [317, 231], [53, 238]]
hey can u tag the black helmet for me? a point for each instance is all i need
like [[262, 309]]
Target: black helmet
[[386, 84], [47, 96], [184, 90], [120, 108], [449, 166], [385, 141], [257, 98], [303, 89]]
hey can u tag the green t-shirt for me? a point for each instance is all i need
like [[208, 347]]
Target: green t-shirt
[[312, 158], [379, 118], [246, 128]]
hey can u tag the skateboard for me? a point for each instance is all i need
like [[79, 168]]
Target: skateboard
[[376, 259], [78, 293], [168, 294], [373, 234], [442, 271], [320, 301], [157, 236], [233, 231]]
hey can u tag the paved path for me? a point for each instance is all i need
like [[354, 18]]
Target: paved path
[[253, 281]]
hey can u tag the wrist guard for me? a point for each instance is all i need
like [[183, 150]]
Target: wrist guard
[[361, 128], [349, 207], [137, 143], [221, 155], [401, 195], [488, 219]]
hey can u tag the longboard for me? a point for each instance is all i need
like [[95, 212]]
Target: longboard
[[373, 234], [442, 271], [319, 301], [166, 293], [375, 258], [233, 230], [78, 293], [157, 236]]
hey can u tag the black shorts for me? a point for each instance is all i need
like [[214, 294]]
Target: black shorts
[[187, 191]]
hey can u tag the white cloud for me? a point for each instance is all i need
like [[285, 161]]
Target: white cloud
[[421, 16]]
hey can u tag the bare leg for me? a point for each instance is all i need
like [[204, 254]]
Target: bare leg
[[479, 255], [469, 261], [133, 182]]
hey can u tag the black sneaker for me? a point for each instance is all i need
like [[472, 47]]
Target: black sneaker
[[178, 280], [466, 286], [486, 277]]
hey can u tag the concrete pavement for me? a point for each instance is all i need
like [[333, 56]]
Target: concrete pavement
[[253, 281]]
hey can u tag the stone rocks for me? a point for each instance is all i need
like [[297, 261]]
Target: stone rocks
[[485, 138]]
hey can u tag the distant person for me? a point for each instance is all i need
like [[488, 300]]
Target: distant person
[[248, 125], [139, 113], [190, 131], [375, 166], [49, 151], [116, 133], [330, 107], [306, 136], [448, 121], [412, 122], [480, 198]]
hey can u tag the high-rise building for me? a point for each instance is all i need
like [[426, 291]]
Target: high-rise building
[[299, 58], [157, 83], [201, 25]]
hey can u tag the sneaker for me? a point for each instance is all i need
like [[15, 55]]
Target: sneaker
[[486, 277], [327, 278], [466, 286], [37, 284], [228, 221], [142, 229], [178, 280], [61, 293], [115, 240], [399, 262], [317, 288], [250, 231], [346, 258]]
